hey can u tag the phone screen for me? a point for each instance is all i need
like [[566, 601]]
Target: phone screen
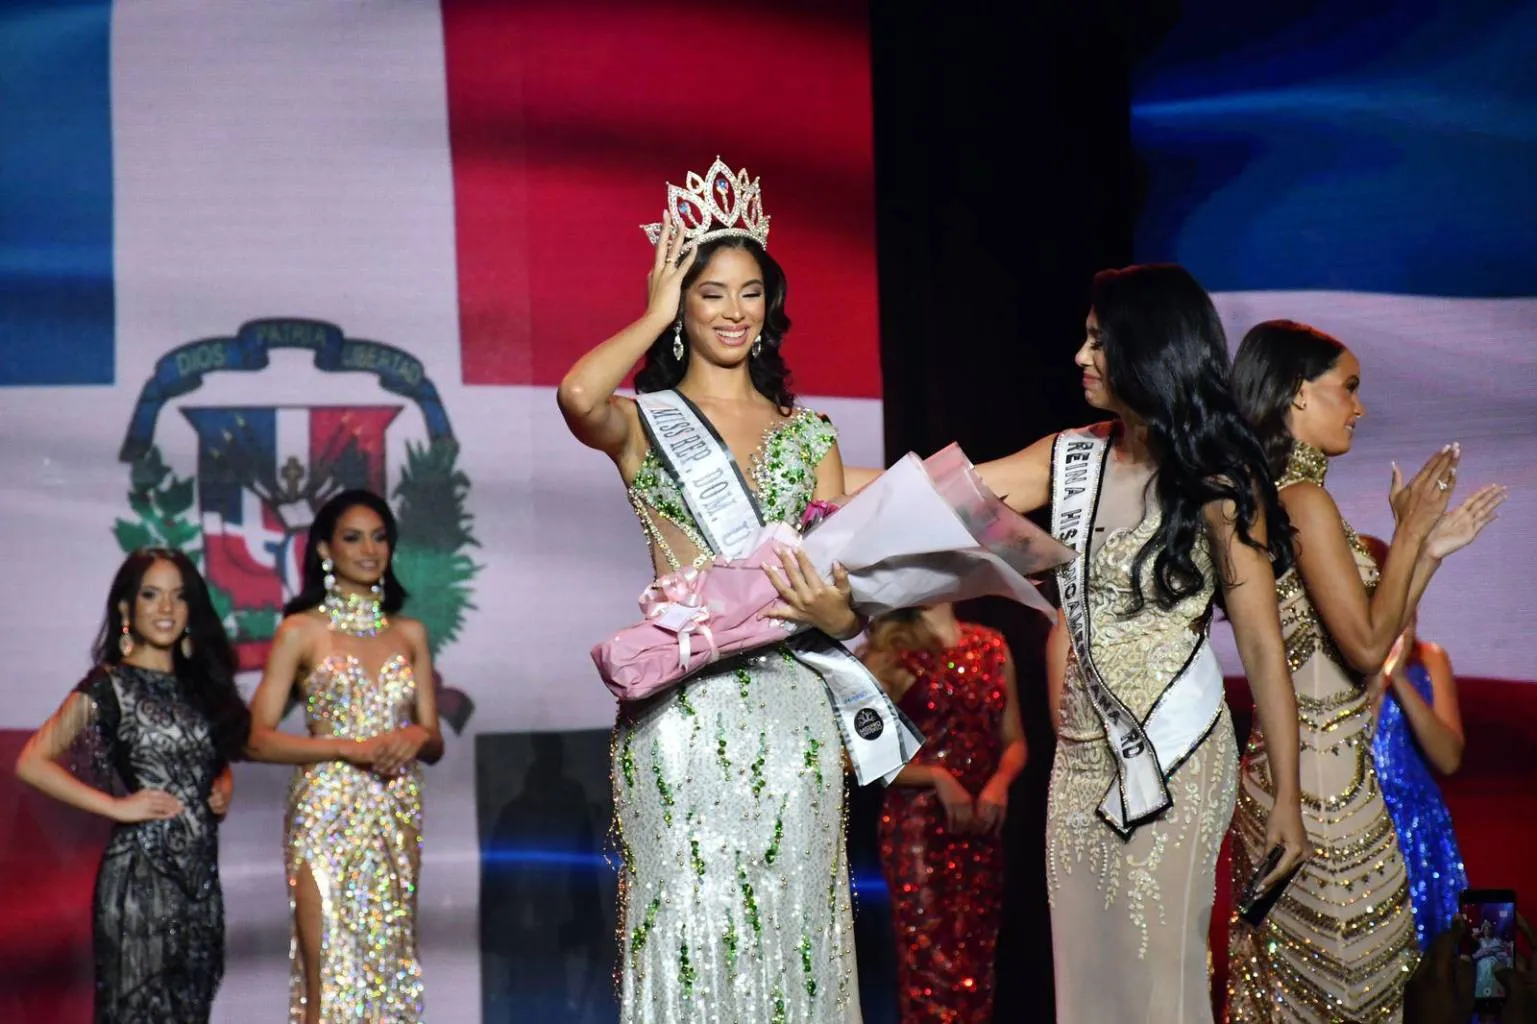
[[1490, 940]]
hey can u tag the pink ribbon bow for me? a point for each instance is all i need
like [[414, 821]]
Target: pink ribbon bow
[[675, 603]]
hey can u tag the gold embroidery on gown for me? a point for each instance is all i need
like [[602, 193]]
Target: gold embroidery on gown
[[1339, 945], [360, 836], [1129, 919]]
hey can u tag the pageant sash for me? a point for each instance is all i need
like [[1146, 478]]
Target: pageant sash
[[712, 482], [878, 739], [1146, 752]]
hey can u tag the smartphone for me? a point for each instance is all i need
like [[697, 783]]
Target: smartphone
[[1490, 941], [1253, 902]]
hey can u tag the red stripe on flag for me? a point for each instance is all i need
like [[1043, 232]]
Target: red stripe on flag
[[567, 121]]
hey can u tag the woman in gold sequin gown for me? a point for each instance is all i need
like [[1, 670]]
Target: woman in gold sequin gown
[[1340, 943], [728, 789], [1185, 511], [353, 849]]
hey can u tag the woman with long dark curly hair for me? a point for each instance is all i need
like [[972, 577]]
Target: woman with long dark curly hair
[[1342, 943], [728, 789], [353, 844], [1171, 509], [160, 712]]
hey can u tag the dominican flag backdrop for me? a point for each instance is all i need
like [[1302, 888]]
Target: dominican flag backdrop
[[1368, 169], [1369, 172], [253, 253]]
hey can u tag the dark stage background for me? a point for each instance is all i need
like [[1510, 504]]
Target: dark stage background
[[1005, 177]]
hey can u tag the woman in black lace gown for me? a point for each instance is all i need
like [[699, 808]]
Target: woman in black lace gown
[[150, 732]]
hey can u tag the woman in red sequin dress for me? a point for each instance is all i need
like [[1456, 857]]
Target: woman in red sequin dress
[[941, 828]]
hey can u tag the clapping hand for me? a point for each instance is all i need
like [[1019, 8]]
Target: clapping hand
[[1457, 529], [1420, 502]]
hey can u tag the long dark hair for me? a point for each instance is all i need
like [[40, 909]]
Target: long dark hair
[[313, 592], [1273, 361], [1166, 360], [770, 376], [207, 677]]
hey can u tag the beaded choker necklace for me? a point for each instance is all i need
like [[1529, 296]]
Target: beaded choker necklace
[[354, 615]]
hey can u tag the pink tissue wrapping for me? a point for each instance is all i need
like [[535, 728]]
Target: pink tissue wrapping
[[647, 658]]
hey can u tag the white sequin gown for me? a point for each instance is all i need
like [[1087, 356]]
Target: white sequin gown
[[729, 802], [1129, 919]]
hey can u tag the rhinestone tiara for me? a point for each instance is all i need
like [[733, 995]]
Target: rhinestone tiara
[[722, 202]]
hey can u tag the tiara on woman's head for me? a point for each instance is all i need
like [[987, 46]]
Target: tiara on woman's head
[[722, 202]]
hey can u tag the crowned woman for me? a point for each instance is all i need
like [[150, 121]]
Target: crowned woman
[[728, 789]]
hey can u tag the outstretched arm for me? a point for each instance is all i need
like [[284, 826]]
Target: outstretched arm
[[857, 477], [1022, 480]]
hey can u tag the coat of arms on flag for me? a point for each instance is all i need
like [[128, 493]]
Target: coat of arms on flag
[[263, 470]]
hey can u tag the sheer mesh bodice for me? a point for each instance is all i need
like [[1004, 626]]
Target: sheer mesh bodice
[[782, 474]]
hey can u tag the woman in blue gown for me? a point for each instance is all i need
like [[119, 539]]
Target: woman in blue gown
[[1419, 734]]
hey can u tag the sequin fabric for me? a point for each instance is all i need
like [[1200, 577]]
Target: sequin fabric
[[729, 809], [158, 917], [1424, 825], [359, 834], [947, 889], [1129, 919], [1339, 944]]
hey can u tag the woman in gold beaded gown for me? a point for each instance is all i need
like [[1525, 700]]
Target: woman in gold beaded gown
[[1340, 943], [354, 823], [1169, 507], [728, 789]]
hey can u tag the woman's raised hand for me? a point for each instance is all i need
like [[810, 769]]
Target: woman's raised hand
[[664, 285], [1419, 503]]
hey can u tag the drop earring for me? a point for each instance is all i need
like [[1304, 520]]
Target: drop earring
[[125, 641], [677, 340], [329, 568], [757, 346], [186, 643]]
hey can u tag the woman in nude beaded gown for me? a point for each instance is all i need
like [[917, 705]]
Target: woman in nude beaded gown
[[353, 848], [728, 789], [1340, 943], [1169, 506]]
